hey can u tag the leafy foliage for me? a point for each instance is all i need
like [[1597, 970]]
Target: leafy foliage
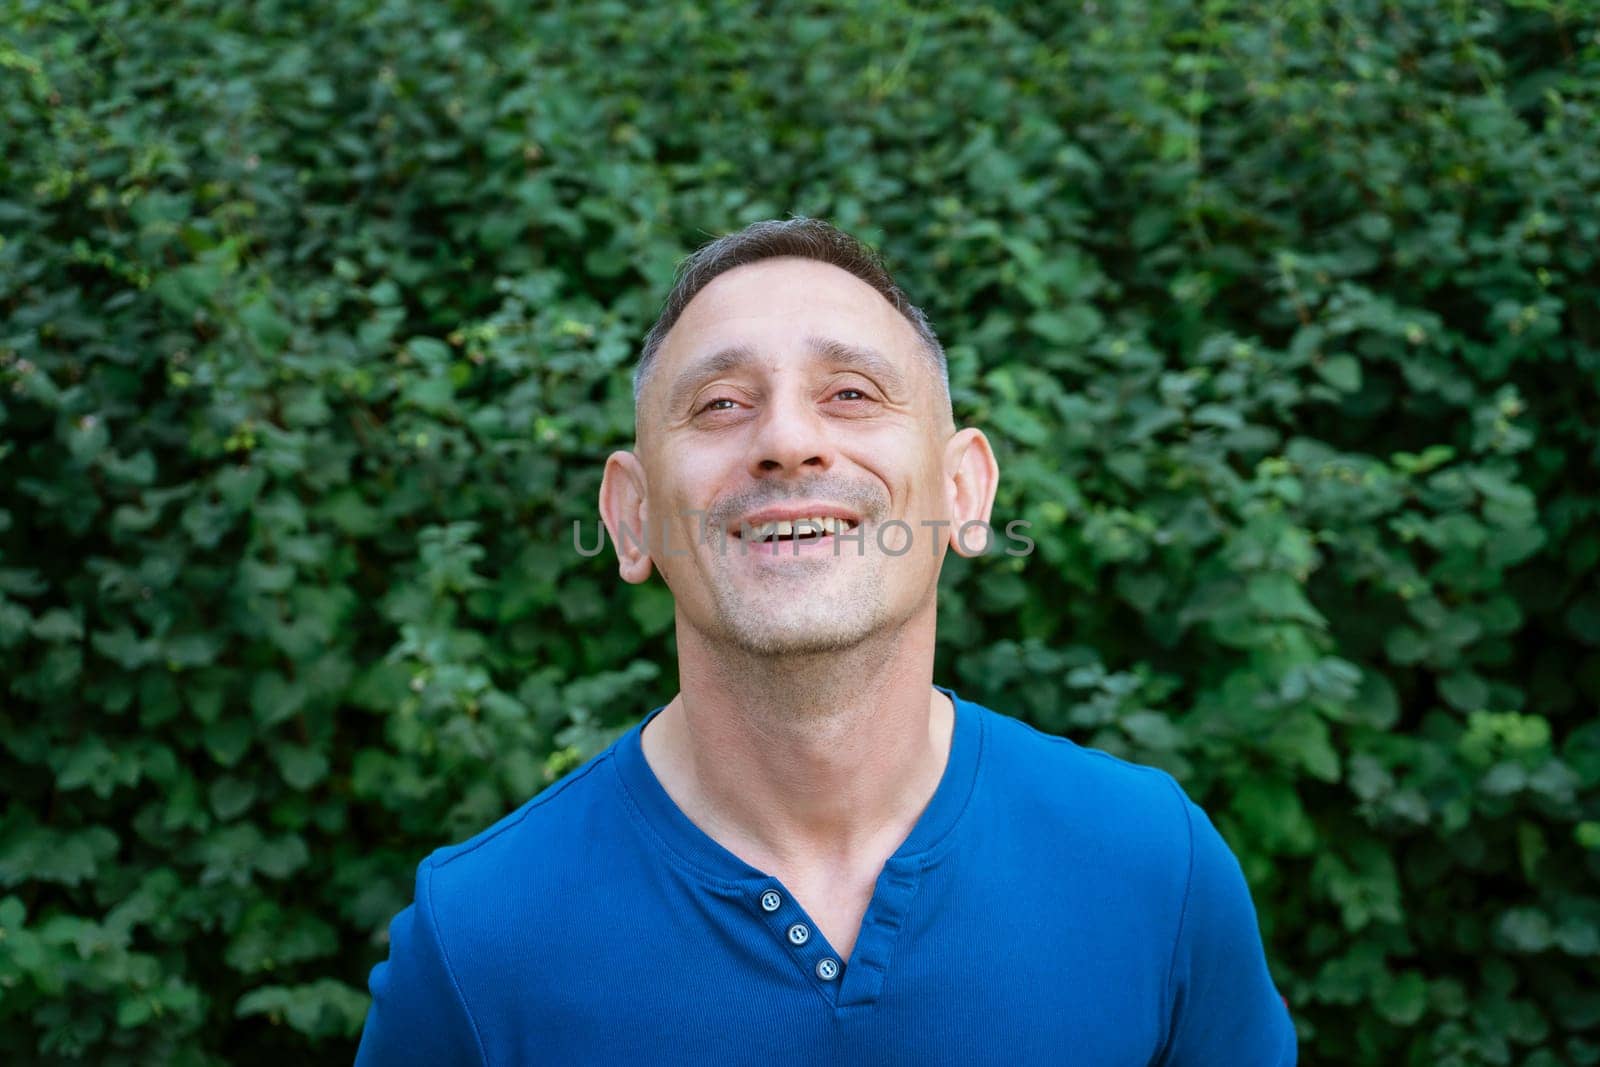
[[316, 324]]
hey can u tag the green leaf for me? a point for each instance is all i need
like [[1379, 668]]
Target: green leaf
[[1504, 779], [323, 1008], [1405, 1000], [281, 857], [265, 326], [58, 624], [1072, 326], [1278, 596], [124, 647], [1273, 816], [1405, 646], [1343, 372], [275, 699], [1526, 929], [1304, 738], [231, 796], [302, 767], [67, 858], [228, 739], [1152, 730], [1464, 691], [652, 606]]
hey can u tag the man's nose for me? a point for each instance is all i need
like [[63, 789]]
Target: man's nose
[[792, 436]]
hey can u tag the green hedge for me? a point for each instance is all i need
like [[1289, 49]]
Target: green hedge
[[316, 322]]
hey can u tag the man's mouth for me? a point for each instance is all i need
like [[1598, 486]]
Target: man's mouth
[[801, 530]]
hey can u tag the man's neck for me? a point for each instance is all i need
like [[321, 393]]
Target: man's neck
[[815, 762]]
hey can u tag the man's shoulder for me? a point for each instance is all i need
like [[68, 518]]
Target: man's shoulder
[[1083, 792], [1063, 763], [562, 823]]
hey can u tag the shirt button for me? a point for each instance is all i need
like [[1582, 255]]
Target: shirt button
[[827, 968], [770, 900], [799, 933]]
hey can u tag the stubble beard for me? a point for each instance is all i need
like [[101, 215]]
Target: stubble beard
[[791, 617]]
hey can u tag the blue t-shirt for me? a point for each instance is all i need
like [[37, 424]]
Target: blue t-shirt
[[1052, 905]]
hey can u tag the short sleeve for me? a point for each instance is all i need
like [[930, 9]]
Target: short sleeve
[[418, 1015], [1225, 1009]]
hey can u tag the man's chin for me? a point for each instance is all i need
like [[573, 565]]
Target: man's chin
[[770, 638]]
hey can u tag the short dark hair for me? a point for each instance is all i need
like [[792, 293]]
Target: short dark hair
[[802, 237]]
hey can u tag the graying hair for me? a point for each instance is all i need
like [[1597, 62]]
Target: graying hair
[[802, 237]]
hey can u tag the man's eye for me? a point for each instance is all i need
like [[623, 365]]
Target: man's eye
[[859, 395], [712, 405]]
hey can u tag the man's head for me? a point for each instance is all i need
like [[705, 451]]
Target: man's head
[[790, 378]]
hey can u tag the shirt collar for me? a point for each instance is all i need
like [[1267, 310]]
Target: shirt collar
[[699, 850]]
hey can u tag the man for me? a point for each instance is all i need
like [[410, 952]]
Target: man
[[812, 854]]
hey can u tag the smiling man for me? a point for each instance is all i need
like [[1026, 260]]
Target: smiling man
[[813, 854]]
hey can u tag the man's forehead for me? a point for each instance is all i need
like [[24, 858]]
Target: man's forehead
[[774, 291]]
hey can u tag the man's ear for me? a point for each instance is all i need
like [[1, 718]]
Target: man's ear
[[627, 515], [971, 477]]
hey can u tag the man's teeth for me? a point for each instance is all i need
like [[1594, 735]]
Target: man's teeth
[[819, 525]]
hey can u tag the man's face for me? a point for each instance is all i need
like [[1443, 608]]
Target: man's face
[[790, 389]]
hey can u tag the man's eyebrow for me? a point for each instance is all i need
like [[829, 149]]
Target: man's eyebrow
[[868, 361], [719, 362]]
